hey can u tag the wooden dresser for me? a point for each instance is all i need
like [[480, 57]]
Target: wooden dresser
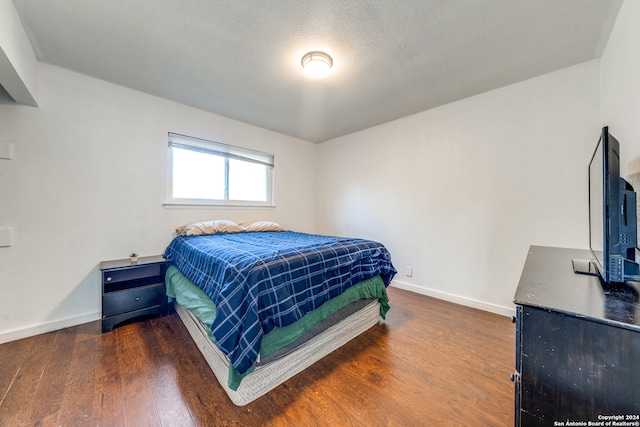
[[577, 345]]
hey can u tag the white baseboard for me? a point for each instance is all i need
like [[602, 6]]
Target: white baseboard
[[78, 320], [48, 327], [469, 302]]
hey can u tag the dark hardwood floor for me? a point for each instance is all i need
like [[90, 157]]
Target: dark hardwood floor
[[430, 363]]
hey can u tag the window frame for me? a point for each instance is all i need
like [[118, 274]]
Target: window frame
[[227, 152]]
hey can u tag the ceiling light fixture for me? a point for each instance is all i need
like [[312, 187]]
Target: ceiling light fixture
[[316, 64]]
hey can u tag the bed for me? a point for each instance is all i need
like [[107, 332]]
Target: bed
[[262, 304]]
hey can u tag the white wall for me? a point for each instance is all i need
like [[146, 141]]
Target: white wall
[[88, 182], [18, 63], [621, 85], [461, 191]]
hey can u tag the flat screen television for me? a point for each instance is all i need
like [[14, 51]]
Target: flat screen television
[[613, 224]]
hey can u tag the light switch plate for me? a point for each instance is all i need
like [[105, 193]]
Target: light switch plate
[[6, 149], [6, 236]]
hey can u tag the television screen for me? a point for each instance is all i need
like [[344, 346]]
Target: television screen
[[596, 205], [612, 214]]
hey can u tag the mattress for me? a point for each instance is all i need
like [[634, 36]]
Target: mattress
[[268, 376], [260, 281], [260, 290], [281, 340]]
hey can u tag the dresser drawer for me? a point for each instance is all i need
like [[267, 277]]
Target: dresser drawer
[[115, 303]]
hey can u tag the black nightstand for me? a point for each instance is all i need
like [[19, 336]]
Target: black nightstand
[[130, 290]]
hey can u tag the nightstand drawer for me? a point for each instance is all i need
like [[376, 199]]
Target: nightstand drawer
[[131, 277], [133, 299]]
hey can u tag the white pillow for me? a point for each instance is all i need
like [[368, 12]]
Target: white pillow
[[261, 226], [216, 226]]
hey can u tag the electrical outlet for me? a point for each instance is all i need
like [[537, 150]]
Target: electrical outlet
[[408, 271]]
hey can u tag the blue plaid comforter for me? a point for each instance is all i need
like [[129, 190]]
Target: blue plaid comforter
[[266, 279]]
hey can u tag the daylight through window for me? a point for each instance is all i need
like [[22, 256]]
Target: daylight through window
[[211, 173]]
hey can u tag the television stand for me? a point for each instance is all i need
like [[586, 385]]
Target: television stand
[[577, 344], [584, 266]]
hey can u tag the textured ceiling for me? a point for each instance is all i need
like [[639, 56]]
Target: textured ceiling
[[241, 59]]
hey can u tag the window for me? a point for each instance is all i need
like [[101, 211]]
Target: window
[[210, 173]]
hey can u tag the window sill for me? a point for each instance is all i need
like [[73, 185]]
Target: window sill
[[169, 205]]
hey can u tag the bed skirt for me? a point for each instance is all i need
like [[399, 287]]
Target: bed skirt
[[266, 377]]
